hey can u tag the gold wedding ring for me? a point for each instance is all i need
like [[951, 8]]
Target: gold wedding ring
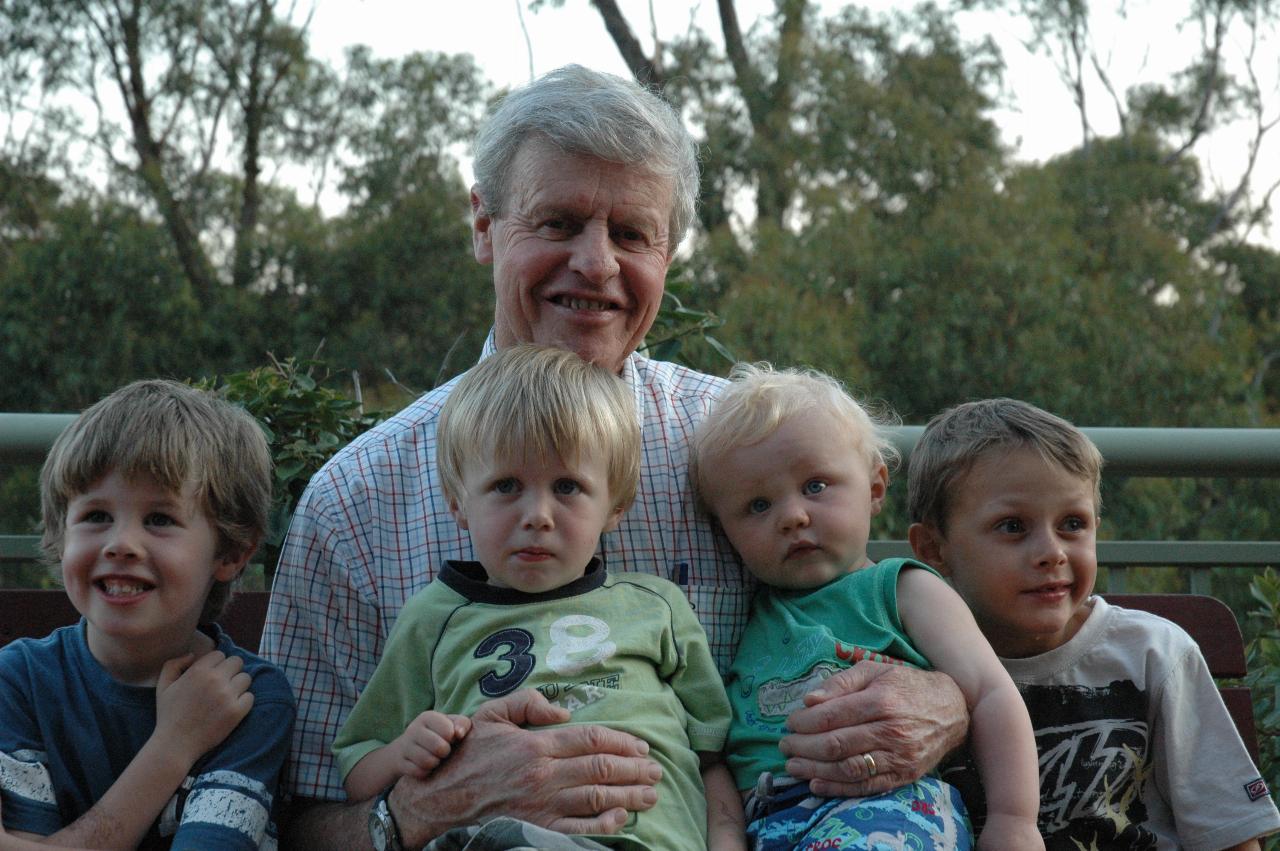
[[870, 763]]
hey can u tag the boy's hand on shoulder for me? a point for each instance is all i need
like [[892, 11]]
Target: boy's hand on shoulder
[[199, 701], [1004, 832], [428, 740]]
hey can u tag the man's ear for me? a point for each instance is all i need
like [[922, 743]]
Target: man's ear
[[481, 235], [231, 565], [456, 510], [879, 487], [926, 543]]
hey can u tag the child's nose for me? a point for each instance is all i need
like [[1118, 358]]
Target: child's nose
[[537, 511], [122, 543], [1049, 550], [792, 516]]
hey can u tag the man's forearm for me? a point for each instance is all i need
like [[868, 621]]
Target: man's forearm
[[314, 825]]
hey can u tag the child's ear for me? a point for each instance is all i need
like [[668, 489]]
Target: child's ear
[[879, 487], [231, 565], [926, 544], [614, 519], [458, 515]]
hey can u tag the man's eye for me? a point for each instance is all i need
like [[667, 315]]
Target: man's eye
[[631, 235], [566, 487], [507, 485], [757, 506], [814, 486]]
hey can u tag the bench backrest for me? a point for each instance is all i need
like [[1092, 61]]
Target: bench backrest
[[1210, 623]]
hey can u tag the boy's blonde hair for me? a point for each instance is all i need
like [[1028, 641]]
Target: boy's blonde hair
[[954, 440], [759, 399], [539, 401], [175, 435]]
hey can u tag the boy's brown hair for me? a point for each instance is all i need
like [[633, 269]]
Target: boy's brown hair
[[954, 440], [174, 434]]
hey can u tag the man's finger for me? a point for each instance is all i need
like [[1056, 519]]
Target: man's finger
[[607, 822], [526, 707], [593, 741], [590, 801], [847, 681]]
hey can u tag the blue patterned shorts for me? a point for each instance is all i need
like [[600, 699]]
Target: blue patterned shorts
[[927, 815]]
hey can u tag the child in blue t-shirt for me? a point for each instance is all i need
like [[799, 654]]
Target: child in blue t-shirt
[[143, 725]]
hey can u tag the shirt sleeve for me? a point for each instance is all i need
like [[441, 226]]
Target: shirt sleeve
[[697, 682], [400, 689], [1201, 765], [229, 804], [323, 631], [26, 786]]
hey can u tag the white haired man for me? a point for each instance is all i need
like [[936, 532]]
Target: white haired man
[[585, 185]]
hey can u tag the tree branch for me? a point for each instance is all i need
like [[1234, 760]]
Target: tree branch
[[628, 46]]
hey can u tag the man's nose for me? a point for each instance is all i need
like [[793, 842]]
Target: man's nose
[[594, 255]]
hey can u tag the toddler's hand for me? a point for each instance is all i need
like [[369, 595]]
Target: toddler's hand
[[427, 740], [1005, 832], [200, 701]]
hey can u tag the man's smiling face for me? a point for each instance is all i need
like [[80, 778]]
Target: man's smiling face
[[580, 254]]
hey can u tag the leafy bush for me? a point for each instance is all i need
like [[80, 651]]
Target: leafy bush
[[305, 423]]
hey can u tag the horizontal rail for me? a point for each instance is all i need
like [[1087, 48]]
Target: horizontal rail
[[1161, 452], [1169, 452], [26, 438], [1254, 554]]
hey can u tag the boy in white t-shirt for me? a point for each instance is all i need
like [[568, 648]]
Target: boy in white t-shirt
[[1137, 750]]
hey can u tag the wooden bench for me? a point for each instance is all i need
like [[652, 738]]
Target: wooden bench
[[33, 614], [1208, 620]]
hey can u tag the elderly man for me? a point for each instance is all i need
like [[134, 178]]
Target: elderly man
[[585, 184]]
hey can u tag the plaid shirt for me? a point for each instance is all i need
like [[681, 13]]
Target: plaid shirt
[[373, 527]]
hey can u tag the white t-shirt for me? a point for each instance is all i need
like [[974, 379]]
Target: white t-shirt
[[1137, 750]]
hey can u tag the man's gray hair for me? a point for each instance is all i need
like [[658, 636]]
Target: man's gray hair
[[590, 113]]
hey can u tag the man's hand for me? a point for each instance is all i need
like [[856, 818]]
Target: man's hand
[[572, 779], [905, 719], [427, 740], [199, 702]]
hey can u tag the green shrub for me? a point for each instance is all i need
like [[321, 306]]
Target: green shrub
[[305, 423]]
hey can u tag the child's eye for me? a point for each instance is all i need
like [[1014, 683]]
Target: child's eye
[[507, 485], [566, 487], [1075, 524], [95, 516], [1010, 526], [759, 505], [157, 518], [814, 486]]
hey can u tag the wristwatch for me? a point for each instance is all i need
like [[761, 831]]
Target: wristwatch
[[383, 830]]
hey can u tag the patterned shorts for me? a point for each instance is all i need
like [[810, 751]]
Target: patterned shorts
[[927, 815]]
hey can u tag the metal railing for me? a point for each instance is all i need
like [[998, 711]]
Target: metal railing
[[1129, 452]]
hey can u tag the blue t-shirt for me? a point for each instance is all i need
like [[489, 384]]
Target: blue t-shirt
[[68, 730]]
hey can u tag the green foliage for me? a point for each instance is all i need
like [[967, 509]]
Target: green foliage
[[1264, 672], [304, 421]]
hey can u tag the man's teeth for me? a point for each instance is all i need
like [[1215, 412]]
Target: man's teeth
[[120, 588], [583, 304]]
